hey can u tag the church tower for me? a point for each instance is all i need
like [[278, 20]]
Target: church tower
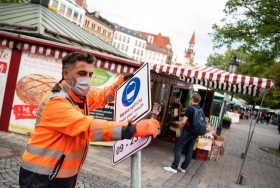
[[189, 54]]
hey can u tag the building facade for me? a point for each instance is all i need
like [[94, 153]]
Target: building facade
[[130, 42], [98, 26], [159, 49], [189, 53], [69, 9], [154, 54]]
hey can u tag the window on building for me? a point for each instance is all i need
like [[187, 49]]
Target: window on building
[[116, 35], [109, 34], [76, 14], [62, 8], [81, 17], [69, 11], [136, 43], [143, 45], [99, 29], [122, 46], [118, 46], [124, 38], [104, 31], [55, 3], [141, 52], [140, 59], [126, 48], [132, 57], [114, 44], [92, 26], [120, 38], [134, 50], [128, 39], [86, 23], [136, 58], [138, 52], [139, 44]]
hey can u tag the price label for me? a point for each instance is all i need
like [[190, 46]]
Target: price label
[[125, 148]]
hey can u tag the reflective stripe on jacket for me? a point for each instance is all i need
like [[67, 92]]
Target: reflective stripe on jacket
[[59, 143]]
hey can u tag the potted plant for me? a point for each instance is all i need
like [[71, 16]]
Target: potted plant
[[226, 122]]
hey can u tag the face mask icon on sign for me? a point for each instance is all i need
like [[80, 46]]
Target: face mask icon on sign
[[130, 91]]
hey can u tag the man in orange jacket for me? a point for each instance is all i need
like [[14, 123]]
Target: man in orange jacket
[[59, 143]]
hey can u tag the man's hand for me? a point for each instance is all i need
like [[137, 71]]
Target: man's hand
[[148, 127], [181, 126], [127, 76]]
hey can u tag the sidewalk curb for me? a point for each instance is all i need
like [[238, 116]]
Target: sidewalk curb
[[199, 174]]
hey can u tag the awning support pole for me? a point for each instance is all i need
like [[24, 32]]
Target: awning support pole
[[250, 136]]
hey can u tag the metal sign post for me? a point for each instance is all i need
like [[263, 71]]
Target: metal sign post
[[135, 180], [133, 102]]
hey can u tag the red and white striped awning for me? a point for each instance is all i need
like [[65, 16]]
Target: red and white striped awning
[[58, 53], [217, 79]]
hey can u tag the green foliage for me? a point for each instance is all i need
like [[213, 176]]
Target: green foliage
[[227, 118], [255, 25], [249, 67]]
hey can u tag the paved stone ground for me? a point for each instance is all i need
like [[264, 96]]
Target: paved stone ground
[[98, 172], [262, 169]]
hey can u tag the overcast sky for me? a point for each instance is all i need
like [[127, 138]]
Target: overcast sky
[[177, 19]]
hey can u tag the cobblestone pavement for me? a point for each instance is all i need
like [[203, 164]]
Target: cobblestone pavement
[[262, 169], [9, 167], [98, 172]]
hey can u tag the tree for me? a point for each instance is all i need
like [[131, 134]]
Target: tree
[[248, 67], [255, 25]]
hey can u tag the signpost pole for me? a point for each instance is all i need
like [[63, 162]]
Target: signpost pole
[[136, 170]]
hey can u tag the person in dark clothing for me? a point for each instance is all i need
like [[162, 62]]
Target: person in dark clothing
[[186, 138]]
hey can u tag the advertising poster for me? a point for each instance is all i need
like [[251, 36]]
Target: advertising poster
[[5, 58], [37, 75], [101, 79]]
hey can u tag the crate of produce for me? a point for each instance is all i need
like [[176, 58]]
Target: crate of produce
[[201, 155]]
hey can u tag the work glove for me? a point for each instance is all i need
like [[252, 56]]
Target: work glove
[[147, 127]]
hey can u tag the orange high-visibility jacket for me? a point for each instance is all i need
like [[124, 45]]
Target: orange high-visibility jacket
[[59, 143]]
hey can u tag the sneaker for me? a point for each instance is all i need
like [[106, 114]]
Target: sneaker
[[179, 168], [170, 169]]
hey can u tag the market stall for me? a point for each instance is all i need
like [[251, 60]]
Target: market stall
[[32, 52], [217, 79]]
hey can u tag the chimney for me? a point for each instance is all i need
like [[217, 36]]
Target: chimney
[[42, 2], [96, 14]]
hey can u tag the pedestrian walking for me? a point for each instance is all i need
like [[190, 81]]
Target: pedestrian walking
[[192, 125], [59, 143]]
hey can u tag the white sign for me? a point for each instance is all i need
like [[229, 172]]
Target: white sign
[[133, 98], [5, 58], [125, 148], [132, 102]]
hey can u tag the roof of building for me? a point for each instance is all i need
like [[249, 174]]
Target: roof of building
[[159, 40], [41, 22], [100, 18], [192, 41], [155, 48], [128, 31]]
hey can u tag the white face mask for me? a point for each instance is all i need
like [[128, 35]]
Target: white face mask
[[82, 86]]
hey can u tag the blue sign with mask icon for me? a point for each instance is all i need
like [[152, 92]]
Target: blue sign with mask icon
[[131, 91]]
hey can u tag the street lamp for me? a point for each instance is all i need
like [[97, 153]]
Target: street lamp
[[233, 65]]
